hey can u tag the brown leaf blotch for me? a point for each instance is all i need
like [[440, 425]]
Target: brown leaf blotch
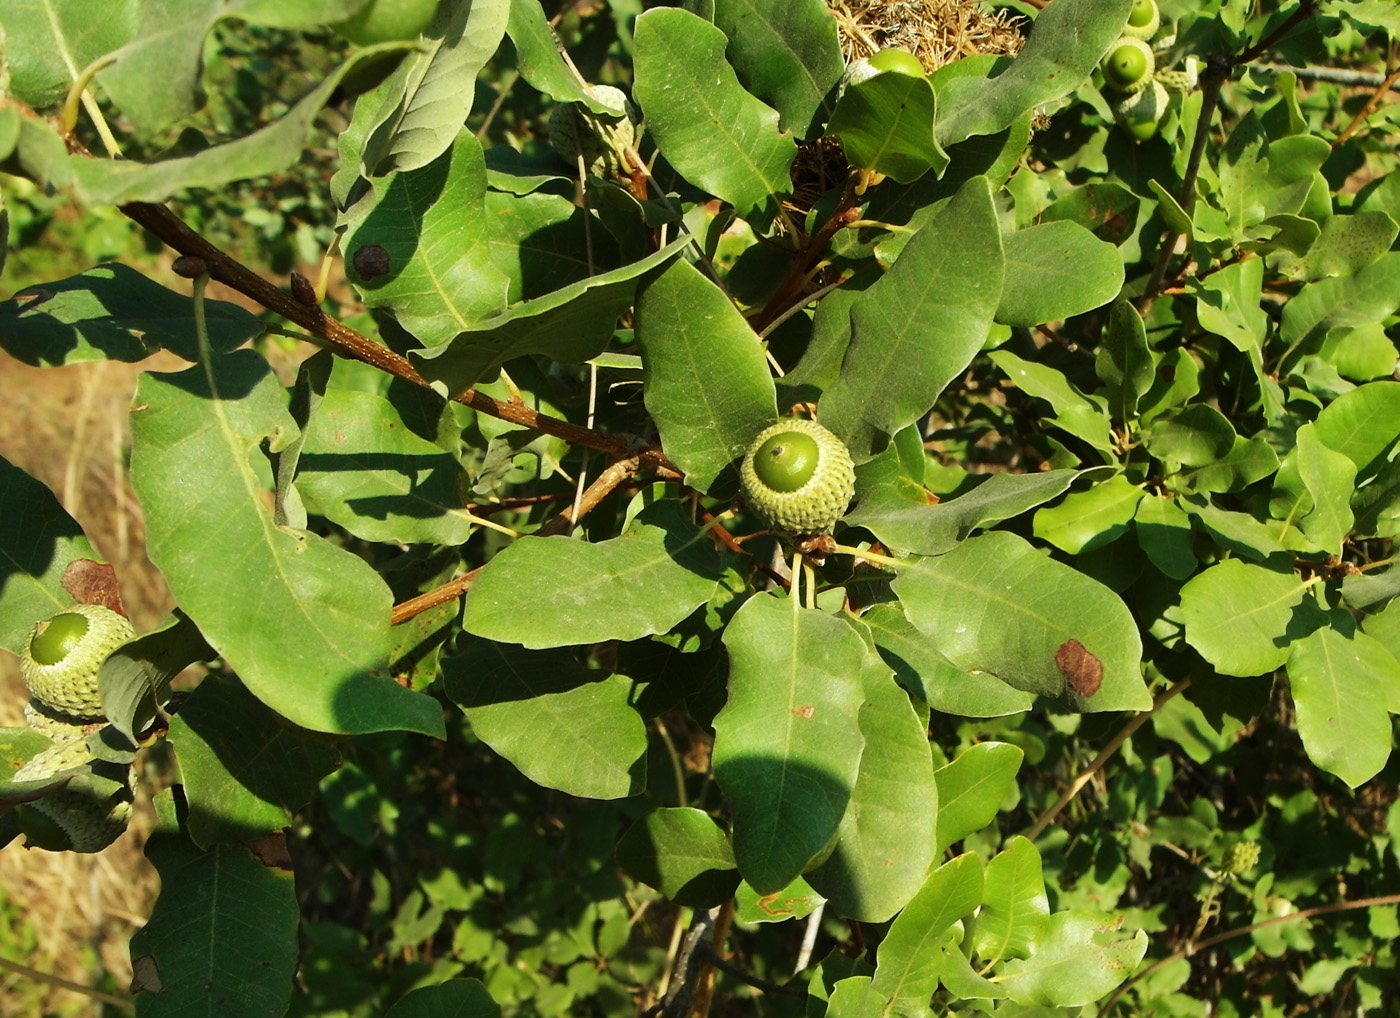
[[93, 583], [1081, 669]]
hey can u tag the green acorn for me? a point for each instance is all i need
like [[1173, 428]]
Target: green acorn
[[1129, 65], [602, 140], [64, 653], [1183, 80], [85, 815], [1139, 113], [1143, 20], [798, 477]]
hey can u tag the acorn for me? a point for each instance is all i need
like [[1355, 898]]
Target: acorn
[[602, 140], [1129, 65], [1183, 80], [64, 653], [1143, 20], [88, 813], [1138, 113], [798, 477]]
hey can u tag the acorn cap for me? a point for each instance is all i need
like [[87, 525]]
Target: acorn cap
[[90, 811], [602, 140], [791, 490], [61, 658], [1143, 20]]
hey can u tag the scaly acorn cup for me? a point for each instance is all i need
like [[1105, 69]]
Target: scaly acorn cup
[[1129, 65], [64, 653], [1143, 20], [90, 812], [798, 477], [1140, 112], [602, 140]]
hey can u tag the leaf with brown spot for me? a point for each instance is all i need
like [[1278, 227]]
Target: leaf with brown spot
[[93, 583], [1081, 669]]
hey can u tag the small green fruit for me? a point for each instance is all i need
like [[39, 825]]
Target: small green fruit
[[62, 633], [387, 21], [798, 477], [1129, 65], [1143, 20], [64, 653], [86, 813], [1139, 113], [602, 140], [900, 61]]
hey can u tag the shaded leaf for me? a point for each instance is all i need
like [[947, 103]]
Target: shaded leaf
[[37, 544], [236, 795], [787, 748], [113, 312], [224, 927], [595, 740], [459, 998], [881, 858], [683, 853]]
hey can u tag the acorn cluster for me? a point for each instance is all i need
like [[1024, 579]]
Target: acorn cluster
[[1136, 88], [60, 662]]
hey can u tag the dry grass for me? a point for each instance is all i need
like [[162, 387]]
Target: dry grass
[[60, 913], [936, 31]]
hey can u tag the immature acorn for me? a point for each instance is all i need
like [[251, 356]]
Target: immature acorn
[[1129, 65], [1138, 113], [64, 653], [88, 813], [1143, 20], [798, 477], [602, 140]]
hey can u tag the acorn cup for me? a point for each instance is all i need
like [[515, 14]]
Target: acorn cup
[[1143, 20], [63, 654], [798, 477], [602, 141], [1129, 65]]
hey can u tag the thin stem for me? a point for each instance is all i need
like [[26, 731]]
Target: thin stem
[[345, 341], [1368, 109], [1220, 938], [1104, 756], [871, 556], [24, 971], [677, 771], [796, 593]]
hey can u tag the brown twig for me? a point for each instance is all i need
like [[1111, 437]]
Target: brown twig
[[1368, 109], [604, 485], [449, 591], [798, 273], [345, 341]]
